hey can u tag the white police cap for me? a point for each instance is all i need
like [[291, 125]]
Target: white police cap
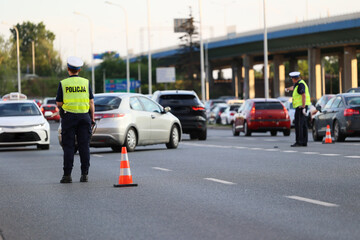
[[294, 74], [74, 63]]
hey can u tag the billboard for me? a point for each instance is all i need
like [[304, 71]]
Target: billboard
[[119, 85], [165, 75]]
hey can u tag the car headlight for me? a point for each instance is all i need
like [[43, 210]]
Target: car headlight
[[39, 126]]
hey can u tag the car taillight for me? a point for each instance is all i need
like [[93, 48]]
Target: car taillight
[[286, 113], [108, 115], [232, 114], [42, 109], [349, 112], [195, 108], [252, 113]]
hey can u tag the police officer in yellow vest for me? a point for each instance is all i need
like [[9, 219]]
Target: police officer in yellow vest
[[300, 101], [75, 98]]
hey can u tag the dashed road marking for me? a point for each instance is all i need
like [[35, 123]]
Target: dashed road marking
[[310, 153], [220, 181], [326, 204], [256, 148], [271, 150], [162, 169], [289, 151], [352, 156], [97, 155], [330, 154]]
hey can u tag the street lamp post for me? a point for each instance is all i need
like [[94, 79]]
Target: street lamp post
[[266, 78], [17, 55], [92, 49], [127, 45], [201, 56], [149, 51]]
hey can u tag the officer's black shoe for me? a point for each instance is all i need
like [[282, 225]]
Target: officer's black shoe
[[296, 145], [84, 178], [66, 179]]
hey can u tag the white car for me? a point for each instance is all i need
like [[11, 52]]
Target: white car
[[291, 111], [227, 117], [23, 124]]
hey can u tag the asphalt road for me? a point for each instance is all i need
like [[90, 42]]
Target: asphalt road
[[226, 187]]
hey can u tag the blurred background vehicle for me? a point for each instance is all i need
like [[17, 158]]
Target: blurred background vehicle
[[291, 110], [215, 113], [227, 117], [130, 120], [22, 123], [187, 107], [321, 102], [209, 105], [342, 114], [49, 100], [353, 90], [38, 102], [284, 99], [261, 115], [50, 108]]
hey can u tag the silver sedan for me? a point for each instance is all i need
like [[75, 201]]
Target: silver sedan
[[129, 119]]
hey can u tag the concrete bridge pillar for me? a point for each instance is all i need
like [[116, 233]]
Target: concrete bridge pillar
[[314, 62], [249, 79], [279, 76], [236, 67], [350, 72]]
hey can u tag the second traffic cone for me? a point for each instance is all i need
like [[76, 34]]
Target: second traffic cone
[[125, 178], [328, 138]]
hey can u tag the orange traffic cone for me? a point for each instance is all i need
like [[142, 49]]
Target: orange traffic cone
[[328, 138], [125, 178]]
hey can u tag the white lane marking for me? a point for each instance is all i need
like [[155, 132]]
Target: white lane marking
[[162, 169], [309, 153], [330, 154], [271, 149], [270, 140], [352, 156], [97, 155], [289, 151], [220, 181], [326, 204], [256, 148], [241, 147]]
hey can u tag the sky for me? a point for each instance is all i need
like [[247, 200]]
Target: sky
[[73, 32]]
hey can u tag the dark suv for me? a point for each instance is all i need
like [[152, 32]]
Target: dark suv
[[187, 107]]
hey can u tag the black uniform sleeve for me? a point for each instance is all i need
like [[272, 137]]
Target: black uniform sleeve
[[59, 94], [301, 88], [91, 95]]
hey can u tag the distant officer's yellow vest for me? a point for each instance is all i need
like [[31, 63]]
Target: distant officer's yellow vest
[[297, 98], [75, 95]]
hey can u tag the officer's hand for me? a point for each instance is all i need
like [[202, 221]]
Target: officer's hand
[[287, 90], [304, 111]]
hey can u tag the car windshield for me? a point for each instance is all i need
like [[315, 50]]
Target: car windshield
[[179, 99], [18, 109], [106, 103], [353, 101], [268, 105], [234, 107], [51, 101]]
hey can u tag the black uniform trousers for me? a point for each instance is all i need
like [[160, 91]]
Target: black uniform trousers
[[301, 128], [79, 125]]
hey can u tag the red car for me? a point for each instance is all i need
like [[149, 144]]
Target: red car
[[53, 109], [261, 115]]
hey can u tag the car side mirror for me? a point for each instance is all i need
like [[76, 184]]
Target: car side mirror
[[167, 109]]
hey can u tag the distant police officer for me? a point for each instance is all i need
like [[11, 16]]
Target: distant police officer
[[76, 101], [300, 101]]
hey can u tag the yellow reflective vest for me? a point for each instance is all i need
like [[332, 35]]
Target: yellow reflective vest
[[75, 95], [297, 98]]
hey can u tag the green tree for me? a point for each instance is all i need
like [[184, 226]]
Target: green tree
[[7, 68]]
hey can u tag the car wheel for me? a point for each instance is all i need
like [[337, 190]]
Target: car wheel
[[246, 130], [286, 132], [130, 140], [235, 133], [174, 138], [338, 136], [273, 133], [315, 133], [43, 146], [203, 135]]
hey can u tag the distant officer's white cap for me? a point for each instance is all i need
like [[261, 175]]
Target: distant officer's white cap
[[294, 74], [74, 63]]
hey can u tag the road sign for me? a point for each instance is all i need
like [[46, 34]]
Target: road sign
[[119, 85], [165, 75]]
